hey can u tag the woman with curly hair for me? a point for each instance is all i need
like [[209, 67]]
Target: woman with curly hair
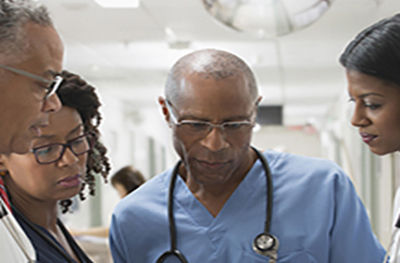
[[63, 162]]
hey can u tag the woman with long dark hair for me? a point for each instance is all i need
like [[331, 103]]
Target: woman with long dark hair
[[372, 62]]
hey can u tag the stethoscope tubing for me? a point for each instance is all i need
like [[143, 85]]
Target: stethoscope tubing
[[171, 220], [269, 202]]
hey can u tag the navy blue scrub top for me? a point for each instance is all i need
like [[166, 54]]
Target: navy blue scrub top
[[46, 252]]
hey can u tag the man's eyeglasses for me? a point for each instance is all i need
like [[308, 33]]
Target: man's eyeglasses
[[52, 153], [52, 85], [202, 128]]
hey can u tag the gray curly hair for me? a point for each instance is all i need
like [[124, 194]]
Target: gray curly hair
[[14, 14]]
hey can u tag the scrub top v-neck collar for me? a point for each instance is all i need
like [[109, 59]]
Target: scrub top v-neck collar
[[185, 199]]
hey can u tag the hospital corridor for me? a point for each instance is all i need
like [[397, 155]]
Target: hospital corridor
[[221, 131]]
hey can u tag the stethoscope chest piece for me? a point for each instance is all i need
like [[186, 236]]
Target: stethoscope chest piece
[[266, 244]]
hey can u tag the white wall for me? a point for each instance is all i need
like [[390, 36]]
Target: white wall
[[296, 139]]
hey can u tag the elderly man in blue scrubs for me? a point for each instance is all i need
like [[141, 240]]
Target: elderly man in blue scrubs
[[222, 202]]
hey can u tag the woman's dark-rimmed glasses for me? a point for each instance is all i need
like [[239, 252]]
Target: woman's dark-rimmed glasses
[[52, 153]]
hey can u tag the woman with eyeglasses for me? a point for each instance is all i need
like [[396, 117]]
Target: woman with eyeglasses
[[63, 162], [372, 62]]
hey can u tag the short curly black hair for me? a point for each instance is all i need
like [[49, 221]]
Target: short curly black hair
[[76, 93]]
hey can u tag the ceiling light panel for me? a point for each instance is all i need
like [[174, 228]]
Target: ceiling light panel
[[118, 3]]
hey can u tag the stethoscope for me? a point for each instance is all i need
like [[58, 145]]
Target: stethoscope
[[394, 246], [264, 244]]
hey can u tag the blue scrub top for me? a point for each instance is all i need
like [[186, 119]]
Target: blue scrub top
[[317, 217]]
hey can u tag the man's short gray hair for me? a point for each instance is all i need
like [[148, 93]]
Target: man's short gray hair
[[208, 63], [14, 14]]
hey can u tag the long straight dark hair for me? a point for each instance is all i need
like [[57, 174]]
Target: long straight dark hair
[[376, 50]]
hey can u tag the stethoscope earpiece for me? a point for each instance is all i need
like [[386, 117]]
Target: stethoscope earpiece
[[266, 244]]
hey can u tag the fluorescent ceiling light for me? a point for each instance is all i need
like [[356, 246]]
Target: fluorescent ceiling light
[[118, 3]]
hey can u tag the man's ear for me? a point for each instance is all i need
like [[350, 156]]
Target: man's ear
[[164, 109]]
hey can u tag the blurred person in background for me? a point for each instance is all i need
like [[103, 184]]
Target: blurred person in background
[[372, 62], [63, 162], [125, 181]]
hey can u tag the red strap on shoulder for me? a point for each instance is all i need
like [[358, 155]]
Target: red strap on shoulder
[[3, 193]]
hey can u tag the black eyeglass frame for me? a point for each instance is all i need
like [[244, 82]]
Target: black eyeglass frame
[[90, 140]]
